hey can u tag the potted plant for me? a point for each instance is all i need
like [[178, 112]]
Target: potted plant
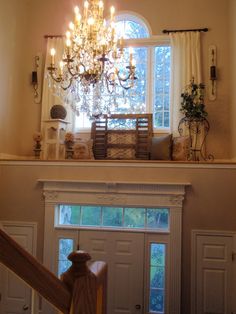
[[192, 105], [194, 123]]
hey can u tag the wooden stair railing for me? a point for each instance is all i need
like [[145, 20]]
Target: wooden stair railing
[[82, 289], [25, 266]]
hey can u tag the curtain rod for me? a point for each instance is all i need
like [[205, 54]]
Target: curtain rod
[[53, 36], [167, 31]]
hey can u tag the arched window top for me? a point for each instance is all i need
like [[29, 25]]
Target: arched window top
[[130, 26]]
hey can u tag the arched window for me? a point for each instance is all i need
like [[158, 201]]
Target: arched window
[[130, 27], [151, 90]]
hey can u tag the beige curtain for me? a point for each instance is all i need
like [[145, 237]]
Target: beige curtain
[[186, 64], [49, 97]]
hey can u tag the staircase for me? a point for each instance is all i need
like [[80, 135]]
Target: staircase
[[81, 290]]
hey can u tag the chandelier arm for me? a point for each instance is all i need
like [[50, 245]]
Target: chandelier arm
[[68, 86], [122, 82]]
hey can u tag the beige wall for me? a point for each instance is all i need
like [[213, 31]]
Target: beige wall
[[13, 21], [24, 23], [209, 204], [232, 42]]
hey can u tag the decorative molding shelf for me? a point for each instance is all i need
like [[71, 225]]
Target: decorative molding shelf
[[164, 194], [217, 164]]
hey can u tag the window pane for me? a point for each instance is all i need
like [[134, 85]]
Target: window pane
[[157, 279], [132, 100], [112, 216], [90, 216], [130, 29], [65, 248], [156, 301], [69, 215], [157, 218], [134, 217], [157, 256], [161, 99]]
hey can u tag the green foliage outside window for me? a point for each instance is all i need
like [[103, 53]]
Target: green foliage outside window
[[119, 217]]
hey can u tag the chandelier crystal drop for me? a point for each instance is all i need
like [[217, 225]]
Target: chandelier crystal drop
[[91, 63]]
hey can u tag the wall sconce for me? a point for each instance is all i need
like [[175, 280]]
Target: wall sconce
[[36, 78], [213, 75]]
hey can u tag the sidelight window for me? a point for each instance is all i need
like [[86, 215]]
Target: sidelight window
[[157, 265], [65, 246]]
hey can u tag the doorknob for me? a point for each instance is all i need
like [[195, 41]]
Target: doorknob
[[137, 306], [25, 307]]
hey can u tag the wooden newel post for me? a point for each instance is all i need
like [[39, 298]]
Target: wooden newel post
[[82, 284], [78, 268]]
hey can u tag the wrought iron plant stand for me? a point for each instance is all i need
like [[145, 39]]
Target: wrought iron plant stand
[[197, 129]]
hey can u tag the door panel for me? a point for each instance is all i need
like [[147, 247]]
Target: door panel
[[124, 253], [213, 276], [16, 294]]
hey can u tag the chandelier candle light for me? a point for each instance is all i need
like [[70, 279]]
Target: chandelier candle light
[[92, 61]]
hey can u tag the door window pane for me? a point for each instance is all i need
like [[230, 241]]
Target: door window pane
[[156, 301]]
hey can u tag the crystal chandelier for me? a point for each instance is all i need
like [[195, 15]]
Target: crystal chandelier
[[91, 63]]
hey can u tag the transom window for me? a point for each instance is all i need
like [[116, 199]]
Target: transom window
[[151, 91], [114, 217]]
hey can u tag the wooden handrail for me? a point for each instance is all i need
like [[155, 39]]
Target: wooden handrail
[[13, 256]]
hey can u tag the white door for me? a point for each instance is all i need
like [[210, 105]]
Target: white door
[[124, 253], [15, 294], [213, 274]]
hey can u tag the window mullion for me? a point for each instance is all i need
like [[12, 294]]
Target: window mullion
[[150, 85]]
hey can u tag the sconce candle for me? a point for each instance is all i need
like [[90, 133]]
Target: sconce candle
[[213, 72], [53, 52]]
